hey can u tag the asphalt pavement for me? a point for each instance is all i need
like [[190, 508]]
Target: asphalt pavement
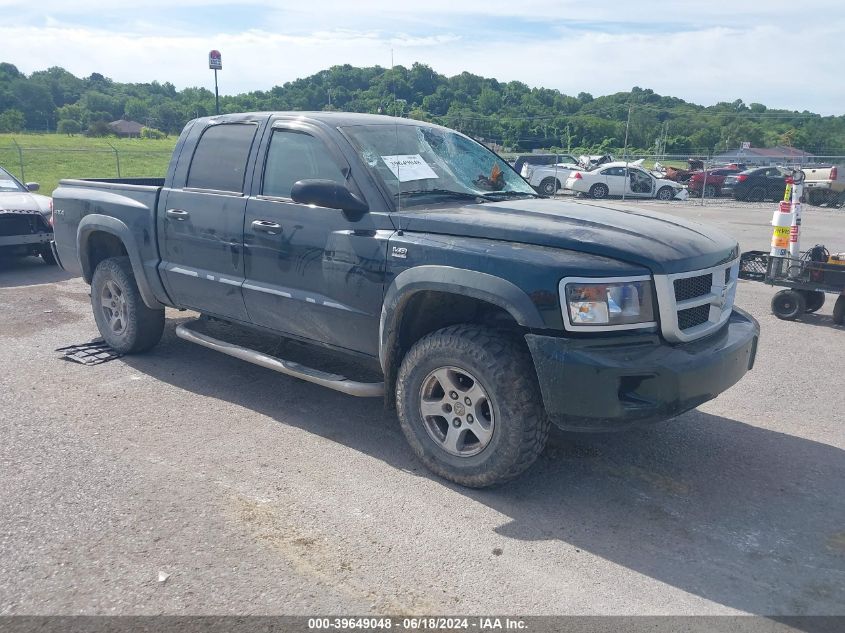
[[182, 481]]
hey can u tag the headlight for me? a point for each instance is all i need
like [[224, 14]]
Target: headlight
[[613, 303]]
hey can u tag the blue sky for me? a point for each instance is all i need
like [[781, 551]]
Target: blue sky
[[717, 51]]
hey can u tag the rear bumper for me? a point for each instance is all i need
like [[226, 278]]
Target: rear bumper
[[26, 239], [616, 383]]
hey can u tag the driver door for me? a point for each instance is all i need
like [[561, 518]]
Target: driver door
[[639, 184], [311, 272]]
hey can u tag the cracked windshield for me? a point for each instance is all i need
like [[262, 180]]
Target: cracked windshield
[[420, 164]]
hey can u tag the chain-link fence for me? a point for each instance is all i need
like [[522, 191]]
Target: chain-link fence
[[31, 162], [728, 179]]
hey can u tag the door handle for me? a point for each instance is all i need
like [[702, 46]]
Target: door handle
[[266, 226], [177, 214]]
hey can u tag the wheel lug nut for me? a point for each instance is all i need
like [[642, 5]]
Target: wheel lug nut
[[467, 401], [456, 422], [470, 419], [453, 395], [447, 408]]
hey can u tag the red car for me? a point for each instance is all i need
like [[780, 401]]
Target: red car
[[715, 180]]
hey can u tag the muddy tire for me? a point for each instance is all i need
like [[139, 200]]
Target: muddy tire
[[124, 321], [470, 407]]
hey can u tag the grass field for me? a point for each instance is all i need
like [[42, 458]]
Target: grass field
[[47, 158]]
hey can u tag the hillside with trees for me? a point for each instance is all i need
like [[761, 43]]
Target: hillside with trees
[[510, 114]]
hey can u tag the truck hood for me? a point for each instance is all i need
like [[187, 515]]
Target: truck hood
[[24, 201], [662, 243]]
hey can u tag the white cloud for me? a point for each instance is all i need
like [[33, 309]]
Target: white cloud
[[757, 55]]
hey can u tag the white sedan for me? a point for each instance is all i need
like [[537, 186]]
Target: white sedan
[[616, 179], [546, 179]]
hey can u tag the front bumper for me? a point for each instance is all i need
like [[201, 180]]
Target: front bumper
[[615, 383]]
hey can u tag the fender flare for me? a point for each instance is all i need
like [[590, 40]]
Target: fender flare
[[469, 283], [107, 224]]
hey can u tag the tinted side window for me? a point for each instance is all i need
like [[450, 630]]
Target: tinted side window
[[296, 156], [220, 158]]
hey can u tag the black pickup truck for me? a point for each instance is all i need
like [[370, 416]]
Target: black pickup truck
[[490, 310]]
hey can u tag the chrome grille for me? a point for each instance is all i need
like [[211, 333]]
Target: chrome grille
[[691, 317], [696, 303], [692, 287]]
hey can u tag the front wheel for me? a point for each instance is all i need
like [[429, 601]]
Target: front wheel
[[788, 305], [599, 191], [549, 186], [126, 324], [665, 193], [469, 405]]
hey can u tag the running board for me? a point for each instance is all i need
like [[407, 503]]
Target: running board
[[289, 368]]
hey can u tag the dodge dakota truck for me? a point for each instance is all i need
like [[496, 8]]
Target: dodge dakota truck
[[489, 311]]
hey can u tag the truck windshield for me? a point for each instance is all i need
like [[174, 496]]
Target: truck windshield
[[422, 164]]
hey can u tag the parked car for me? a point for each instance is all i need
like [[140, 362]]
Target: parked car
[[614, 179], [24, 219], [757, 184], [547, 179], [528, 160], [488, 310], [823, 184], [715, 180]]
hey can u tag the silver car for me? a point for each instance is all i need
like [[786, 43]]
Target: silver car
[[25, 219]]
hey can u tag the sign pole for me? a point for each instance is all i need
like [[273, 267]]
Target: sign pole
[[215, 63], [216, 94]]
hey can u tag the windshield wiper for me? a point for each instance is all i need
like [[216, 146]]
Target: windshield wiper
[[463, 195], [501, 195]]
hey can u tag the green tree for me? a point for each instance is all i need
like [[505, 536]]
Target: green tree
[[69, 127], [12, 121]]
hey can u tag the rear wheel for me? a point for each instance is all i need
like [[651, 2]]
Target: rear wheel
[[124, 321], [47, 255], [549, 186], [813, 299], [469, 405], [599, 191], [710, 191], [788, 305]]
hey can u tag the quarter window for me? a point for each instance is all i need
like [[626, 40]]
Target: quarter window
[[294, 156], [220, 159]]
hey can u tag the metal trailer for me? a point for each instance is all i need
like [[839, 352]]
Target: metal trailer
[[805, 281]]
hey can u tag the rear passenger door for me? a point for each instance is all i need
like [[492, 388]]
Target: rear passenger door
[[201, 230], [615, 179]]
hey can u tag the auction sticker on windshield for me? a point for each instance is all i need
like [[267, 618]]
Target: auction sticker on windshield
[[409, 167]]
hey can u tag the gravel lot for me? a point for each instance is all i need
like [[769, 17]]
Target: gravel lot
[[262, 494]]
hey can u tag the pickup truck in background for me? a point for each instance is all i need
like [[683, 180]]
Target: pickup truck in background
[[488, 311], [824, 184]]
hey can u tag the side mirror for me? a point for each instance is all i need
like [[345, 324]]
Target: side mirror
[[32, 186], [327, 193]]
